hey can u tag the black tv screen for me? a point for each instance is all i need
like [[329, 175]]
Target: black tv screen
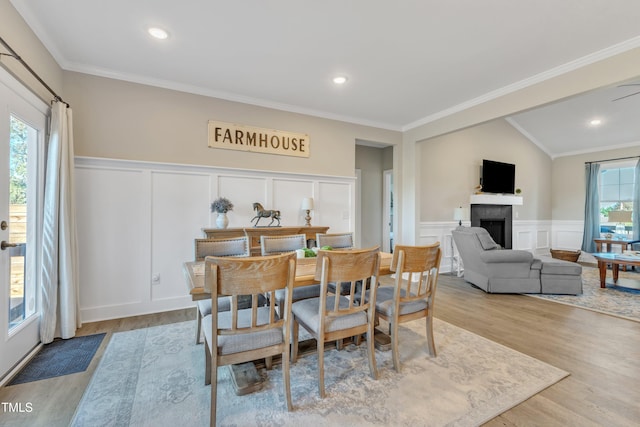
[[498, 177]]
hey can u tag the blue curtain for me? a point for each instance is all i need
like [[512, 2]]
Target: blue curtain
[[635, 217], [591, 208]]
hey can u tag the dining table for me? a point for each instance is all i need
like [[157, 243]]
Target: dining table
[[305, 274], [245, 378]]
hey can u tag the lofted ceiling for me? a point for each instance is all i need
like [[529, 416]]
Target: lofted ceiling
[[407, 62]]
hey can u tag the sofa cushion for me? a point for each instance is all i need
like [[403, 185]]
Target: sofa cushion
[[486, 241], [536, 264], [506, 256], [561, 267]]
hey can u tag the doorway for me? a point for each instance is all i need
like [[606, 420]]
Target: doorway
[[22, 134], [387, 211], [374, 169]]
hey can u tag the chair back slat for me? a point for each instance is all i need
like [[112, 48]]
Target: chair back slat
[[416, 261], [253, 276], [353, 267]]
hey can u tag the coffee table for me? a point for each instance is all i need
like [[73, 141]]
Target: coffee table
[[616, 260], [606, 245]]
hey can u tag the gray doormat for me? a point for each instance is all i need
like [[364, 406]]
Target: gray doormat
[[61, 357]]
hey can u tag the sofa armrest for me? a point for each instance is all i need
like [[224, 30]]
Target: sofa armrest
[[506, 256]]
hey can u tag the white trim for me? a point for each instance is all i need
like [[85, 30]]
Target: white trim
[[22, 91], [26, 359], [495, 199], [100, 162], [536, 79]]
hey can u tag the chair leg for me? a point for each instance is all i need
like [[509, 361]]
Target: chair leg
[[430, 341], [321, 367], [214, 394], [393, 326], [294, 340], [339, 344], [207, 364], [285, 379], [198, 325], [373, 369], [268, 362]]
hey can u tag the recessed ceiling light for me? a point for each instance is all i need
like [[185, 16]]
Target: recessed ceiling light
[[595, 122], [158, 33], [340, 80]]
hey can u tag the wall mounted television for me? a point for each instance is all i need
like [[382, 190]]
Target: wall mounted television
[[498, 177]]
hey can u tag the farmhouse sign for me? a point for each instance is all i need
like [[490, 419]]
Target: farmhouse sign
[[248, 138]]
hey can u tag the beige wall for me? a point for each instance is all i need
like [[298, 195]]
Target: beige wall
[[450, 169], [568, 175], [606, 71], [121, 120], [23, 41], [370, 161]]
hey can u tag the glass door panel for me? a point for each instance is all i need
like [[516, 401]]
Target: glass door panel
[[22, 297]]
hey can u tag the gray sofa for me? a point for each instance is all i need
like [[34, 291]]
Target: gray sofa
[[497, 270]]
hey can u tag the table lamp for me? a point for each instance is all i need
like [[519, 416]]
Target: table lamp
[[458, 215], [307, 205], [619, 217]]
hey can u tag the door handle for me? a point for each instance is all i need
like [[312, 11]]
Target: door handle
[[4, 245]]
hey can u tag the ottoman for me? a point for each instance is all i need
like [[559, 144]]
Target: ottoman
[[560, 277]]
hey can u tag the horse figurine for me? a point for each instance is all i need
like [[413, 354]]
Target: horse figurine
[[264, 213]]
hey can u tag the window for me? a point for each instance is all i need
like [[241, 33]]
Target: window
[[616, 194]]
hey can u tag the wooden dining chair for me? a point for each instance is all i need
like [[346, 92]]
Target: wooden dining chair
[[271, 245], [332, 317], [243, 335], [409, 300], [336, 241], [234, 247]]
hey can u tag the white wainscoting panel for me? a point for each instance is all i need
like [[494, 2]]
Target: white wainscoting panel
[[179, 208], [137, 222], [243, 192], [337, 206], [287, 197], [567, 234], [542, 239], [113, 209]]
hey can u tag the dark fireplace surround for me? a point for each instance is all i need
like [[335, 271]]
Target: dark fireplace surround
[[496, 219]]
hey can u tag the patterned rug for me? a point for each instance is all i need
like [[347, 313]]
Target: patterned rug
[[613, 300], [155, 377], [61, 357]]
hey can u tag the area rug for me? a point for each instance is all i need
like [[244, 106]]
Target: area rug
[[612, 300], [155, 377], [61, 357]]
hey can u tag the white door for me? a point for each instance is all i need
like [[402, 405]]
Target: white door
[[22, 130]]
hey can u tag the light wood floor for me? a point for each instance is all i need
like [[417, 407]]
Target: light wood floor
[[601, 352]]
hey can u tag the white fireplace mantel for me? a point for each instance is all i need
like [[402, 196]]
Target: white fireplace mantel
[[495, 199]]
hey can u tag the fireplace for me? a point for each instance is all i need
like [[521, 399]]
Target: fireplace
[[496, 219]]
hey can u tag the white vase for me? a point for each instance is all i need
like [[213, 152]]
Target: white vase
[[222, 221]]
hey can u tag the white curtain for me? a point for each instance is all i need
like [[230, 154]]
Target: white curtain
[[60, 297]]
